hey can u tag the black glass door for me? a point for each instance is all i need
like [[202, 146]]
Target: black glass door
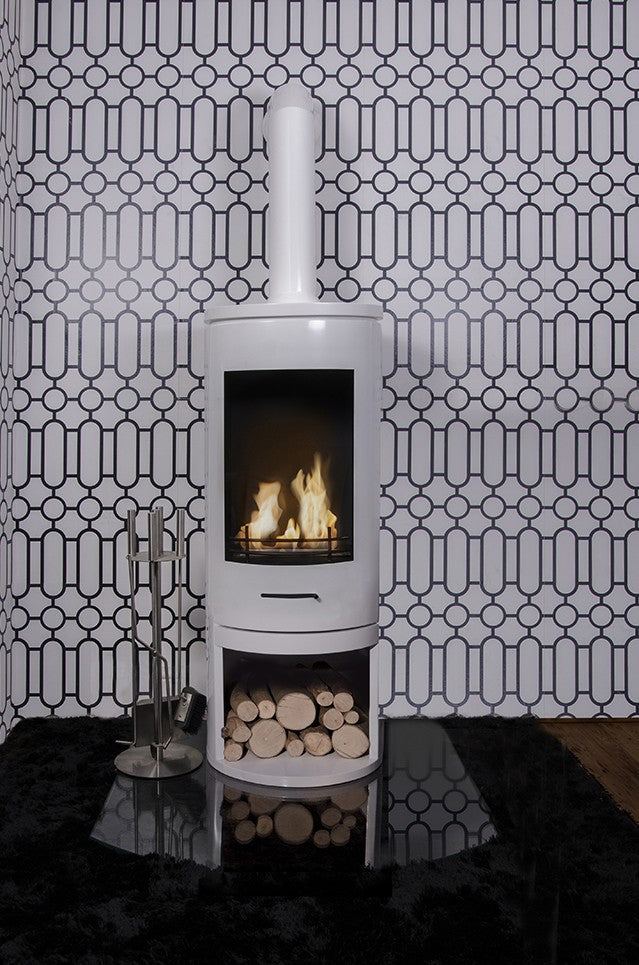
[[288, 441]]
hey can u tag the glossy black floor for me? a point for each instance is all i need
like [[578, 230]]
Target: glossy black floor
[[497, 847], [422, 804]]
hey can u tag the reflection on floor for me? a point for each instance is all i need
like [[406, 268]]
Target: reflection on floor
[[422, 803], [434, 807]]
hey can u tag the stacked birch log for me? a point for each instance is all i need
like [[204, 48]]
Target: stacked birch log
[[325, 822], [303, 711]]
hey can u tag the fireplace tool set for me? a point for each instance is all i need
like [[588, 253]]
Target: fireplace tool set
[[159, 723]]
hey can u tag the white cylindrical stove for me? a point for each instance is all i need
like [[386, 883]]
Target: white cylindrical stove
[[293, 413]]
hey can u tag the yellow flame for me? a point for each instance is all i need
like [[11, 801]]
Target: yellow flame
[[265, 519], [292, 531], [315, 516]]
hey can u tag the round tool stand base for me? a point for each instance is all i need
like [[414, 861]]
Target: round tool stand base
[[176, 760]]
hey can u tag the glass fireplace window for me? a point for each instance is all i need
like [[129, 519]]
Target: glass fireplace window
[[288, 466]]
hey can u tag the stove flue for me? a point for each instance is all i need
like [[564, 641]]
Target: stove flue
[[293, 412], [289, 130]]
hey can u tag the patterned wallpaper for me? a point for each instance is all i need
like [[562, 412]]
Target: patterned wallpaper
[[9, 93], [478, 175]]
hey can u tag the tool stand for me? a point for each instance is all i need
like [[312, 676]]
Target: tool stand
[[157, 750]]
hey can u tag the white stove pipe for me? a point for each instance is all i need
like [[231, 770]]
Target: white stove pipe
[[290, 135]]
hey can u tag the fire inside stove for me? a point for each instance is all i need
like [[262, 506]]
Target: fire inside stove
[[289, 466]]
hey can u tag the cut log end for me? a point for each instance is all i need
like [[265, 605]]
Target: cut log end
[[266, 709], [294, 744], [242, 704], [331, 718], [267, 739], [344, 701], [233, 751], [342, 696], [350, 741], [295, 710], [263, 700], [317, 741], [322, 694], [235, 728]]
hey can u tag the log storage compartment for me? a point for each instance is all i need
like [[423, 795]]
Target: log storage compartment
[[293, 423], [298, 719]]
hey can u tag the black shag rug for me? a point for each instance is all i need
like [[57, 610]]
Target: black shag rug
[[558, 884]]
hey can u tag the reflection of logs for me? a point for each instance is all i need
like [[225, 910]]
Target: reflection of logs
[[267, 739], [330, 816], [325, 822], [350, 741], [242, 704], [264, 825], [262, 805], [244, 832], [293, 823], [350, 799], [340, 835], [239, 810], [316, 741], [322, 838]]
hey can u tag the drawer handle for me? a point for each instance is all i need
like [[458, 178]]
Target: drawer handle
[[290, 596]]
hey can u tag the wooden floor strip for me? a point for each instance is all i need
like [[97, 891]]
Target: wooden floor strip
[[627, 733], [609, 750]]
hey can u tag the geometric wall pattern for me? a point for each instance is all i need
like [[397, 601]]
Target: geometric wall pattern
[[9, 93], [478, 175]]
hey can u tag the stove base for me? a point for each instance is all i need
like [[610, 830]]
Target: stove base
[[298, 772]]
